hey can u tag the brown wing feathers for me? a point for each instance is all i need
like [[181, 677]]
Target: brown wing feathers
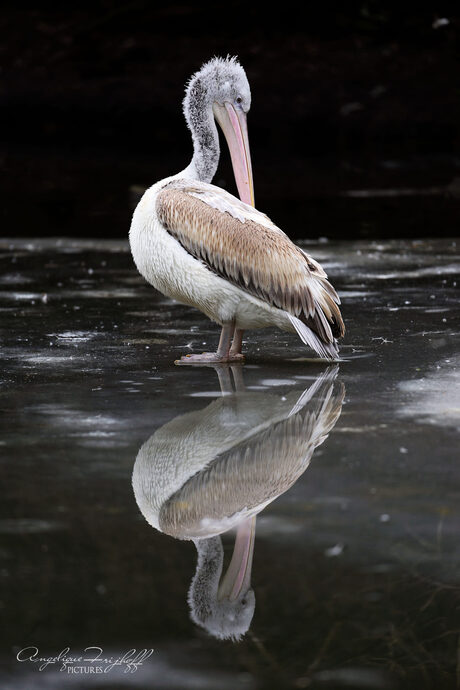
[[263, 261]]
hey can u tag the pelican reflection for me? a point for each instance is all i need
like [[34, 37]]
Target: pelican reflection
[[208, 471]]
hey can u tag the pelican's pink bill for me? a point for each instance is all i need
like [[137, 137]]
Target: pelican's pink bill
[[234, 126], [237, 579]]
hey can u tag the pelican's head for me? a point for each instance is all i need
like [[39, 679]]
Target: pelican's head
[[228, 619], [220, 89], [224, 608]]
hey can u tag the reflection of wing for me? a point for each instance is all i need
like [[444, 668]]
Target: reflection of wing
[[190, 442], [242, 480], [244, 247]]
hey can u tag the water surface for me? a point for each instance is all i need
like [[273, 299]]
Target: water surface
[[355, 563]]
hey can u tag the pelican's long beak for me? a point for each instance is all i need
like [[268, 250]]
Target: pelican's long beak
[[237, 579], [234, 126]]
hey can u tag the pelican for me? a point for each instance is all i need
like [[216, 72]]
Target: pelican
[[203, 247], [215, 469]]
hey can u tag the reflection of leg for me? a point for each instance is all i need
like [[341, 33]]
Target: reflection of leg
[[225, 381], [235, 350], [222, 354], [237, 371]]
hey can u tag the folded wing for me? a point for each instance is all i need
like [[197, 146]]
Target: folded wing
[[243, 246]]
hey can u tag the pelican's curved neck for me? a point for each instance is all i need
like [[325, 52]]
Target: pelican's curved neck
[[205, 138], [203, 589]]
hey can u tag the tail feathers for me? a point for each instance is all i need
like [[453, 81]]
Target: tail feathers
[[327, 377], [326, 350]]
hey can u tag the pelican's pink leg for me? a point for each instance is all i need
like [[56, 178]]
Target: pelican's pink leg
[[223, 349], [235, 354]]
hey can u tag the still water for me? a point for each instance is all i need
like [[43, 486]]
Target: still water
[[287, 523]]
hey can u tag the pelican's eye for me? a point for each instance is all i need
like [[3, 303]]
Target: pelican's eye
[[238, 100]]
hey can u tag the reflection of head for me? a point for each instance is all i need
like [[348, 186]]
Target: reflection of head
[[221, 615], [208, 471]]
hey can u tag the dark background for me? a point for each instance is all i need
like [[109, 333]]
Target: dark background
[[347, 97]]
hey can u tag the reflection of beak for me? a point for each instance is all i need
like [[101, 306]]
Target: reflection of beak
[[237, 579], [234, 126]]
